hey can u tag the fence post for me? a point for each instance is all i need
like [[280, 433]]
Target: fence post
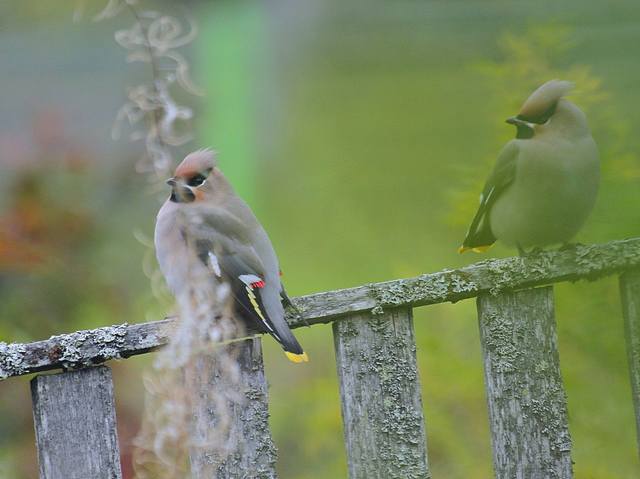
[[253, 454], [527, 402], [380, 390], [75, 424], [630, 293]]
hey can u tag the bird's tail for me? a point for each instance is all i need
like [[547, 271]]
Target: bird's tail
[[475, 249], [479, 238], [251, 293], [297, 358], [291, 346]]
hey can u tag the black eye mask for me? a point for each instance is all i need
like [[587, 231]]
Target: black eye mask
[[185, 195], [196, 180]]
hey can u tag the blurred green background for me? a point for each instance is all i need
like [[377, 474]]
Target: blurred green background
[[361, 133]]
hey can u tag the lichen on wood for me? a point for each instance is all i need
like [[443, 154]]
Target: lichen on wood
[[252, 453], [75, 425], [527, 403], [12, 361], [630, 295], [489, 276], [381, 402], [82, 348]]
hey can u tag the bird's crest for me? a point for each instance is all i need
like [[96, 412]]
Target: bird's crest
[[541, 103], [196, 162]]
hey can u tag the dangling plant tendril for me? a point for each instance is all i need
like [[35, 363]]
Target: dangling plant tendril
[[192, 381], [150, 108]]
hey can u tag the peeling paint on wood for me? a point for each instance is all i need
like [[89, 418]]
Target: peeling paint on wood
[[75, 423], [381, 402], [630, 293], [527, 403], [85, 348]]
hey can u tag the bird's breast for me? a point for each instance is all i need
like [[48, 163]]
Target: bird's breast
[[553, 192]]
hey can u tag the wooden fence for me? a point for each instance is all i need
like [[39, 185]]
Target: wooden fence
[[376, 360]]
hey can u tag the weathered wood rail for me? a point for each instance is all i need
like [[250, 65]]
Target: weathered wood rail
[[379, 384]]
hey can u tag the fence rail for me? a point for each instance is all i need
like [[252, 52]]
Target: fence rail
[[95, 346], [375, 351]]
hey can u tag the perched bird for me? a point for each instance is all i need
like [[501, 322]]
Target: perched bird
[[225, 238], [545, 181]]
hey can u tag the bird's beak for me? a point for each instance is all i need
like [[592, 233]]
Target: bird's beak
[[180, 192], [514, 120]]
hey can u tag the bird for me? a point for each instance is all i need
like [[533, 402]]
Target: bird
[[545, 181], [226, 241]]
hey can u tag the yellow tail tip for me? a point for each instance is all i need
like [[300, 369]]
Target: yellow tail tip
[[297, 358], [476, 249]]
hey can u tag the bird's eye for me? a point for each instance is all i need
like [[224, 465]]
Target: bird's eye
[[196, 180]]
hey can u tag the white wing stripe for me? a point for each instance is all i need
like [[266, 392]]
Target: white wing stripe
[[214, 265]]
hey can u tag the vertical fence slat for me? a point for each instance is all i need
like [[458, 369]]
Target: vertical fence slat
[[254, 455], [630, 293], [75, 424], [526, 397], [381, 401]]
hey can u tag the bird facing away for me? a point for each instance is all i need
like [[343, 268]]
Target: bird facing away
[[223, 236], [545, 181]]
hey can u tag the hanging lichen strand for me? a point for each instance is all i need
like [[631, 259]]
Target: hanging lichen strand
[[151, 112], [179, 386]]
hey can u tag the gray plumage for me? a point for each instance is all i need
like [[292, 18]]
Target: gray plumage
[[543, 187], [205, 225]]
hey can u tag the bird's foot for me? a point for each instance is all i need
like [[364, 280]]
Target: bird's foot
[[304, 320], [292, 307], [535, 250]]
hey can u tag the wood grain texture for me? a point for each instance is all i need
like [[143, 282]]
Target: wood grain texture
[[380, 391], [75, 424], [630, 293], [254, 455], [84, 348], [525, 394]]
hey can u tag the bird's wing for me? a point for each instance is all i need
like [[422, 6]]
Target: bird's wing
[[223, 246], [242, 269], [219, 223], [479, 236]]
